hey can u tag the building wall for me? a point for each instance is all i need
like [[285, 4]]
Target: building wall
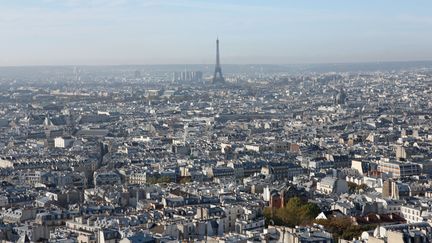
[[411, 214], [395, 237]]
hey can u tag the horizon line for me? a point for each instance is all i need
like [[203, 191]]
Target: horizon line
[[212, 64]]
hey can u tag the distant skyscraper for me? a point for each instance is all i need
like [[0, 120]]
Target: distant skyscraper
[[197, 76], [218, 77], [187, 76]]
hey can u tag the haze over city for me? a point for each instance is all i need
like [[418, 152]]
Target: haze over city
[[101, 32], [174, 121]]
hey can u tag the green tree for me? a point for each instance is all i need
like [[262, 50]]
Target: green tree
[[311, 210], [185, 180], [352, 187], [362, 187], [151, 180], [343, 228], [156, 180], [295, 212], [164, 179]]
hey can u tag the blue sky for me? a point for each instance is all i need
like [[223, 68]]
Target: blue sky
[[57, 32]]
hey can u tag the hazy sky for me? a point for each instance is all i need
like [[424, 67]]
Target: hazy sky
[[57, 32]]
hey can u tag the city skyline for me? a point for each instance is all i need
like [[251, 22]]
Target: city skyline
[[248, 121], [120, 32]]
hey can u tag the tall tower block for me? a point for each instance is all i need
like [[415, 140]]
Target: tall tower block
[[218, 77]]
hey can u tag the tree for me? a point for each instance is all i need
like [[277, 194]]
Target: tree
[[311, 210], [164, 179], [343, 228], [156, 180], [295, 212], [353, 187], [185, 180], [362, 187]]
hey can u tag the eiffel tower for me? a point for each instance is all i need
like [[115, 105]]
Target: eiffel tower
[[217, 77]]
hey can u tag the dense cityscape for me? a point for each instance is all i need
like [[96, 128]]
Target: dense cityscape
[[199, 121], [260, 153]]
